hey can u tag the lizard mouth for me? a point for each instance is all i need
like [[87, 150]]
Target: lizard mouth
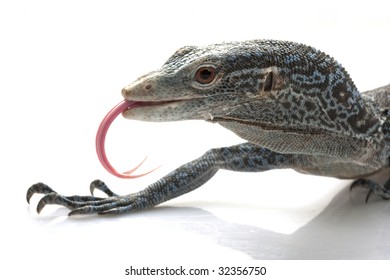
[[120, 108]]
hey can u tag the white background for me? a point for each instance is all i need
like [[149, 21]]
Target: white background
[[62, 67]]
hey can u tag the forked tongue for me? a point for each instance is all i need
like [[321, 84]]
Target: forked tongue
[[101, 138]]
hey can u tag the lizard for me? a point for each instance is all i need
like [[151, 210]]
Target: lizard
[[295, 107]]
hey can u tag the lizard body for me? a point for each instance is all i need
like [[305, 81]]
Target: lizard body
[[295, 106]]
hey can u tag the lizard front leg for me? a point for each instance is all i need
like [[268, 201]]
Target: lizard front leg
[[244, 157]]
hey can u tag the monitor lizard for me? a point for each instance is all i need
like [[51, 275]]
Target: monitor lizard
[[296, 107]]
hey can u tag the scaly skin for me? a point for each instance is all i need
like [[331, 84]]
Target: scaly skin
[[296, 106]]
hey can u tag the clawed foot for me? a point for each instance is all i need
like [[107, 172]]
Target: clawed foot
[[373, 188], [113, 204]]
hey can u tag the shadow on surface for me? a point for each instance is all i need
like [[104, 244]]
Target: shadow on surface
[[346, 229]]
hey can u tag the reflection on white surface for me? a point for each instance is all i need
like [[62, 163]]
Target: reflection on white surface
[[279, 201]]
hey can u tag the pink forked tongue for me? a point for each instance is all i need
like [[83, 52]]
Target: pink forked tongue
[[101, 137]]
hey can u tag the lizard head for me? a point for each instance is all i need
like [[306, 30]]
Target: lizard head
[[271, 86], [201, 83]]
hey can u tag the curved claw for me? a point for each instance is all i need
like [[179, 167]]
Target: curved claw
[[368, 195], [70, 202], [358, 183], [38, 188], [101, 136], [363, 183], [101, 186], [47, 199], [372, 187]]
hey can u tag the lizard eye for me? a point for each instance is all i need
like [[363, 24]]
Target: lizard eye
[[205, 75]]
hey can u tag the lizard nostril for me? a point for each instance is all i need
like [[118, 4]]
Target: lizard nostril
[[125, 92], [149, 86]]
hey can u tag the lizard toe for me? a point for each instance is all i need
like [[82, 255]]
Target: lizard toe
[[373, 188], [39, 188], [101, 186]]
